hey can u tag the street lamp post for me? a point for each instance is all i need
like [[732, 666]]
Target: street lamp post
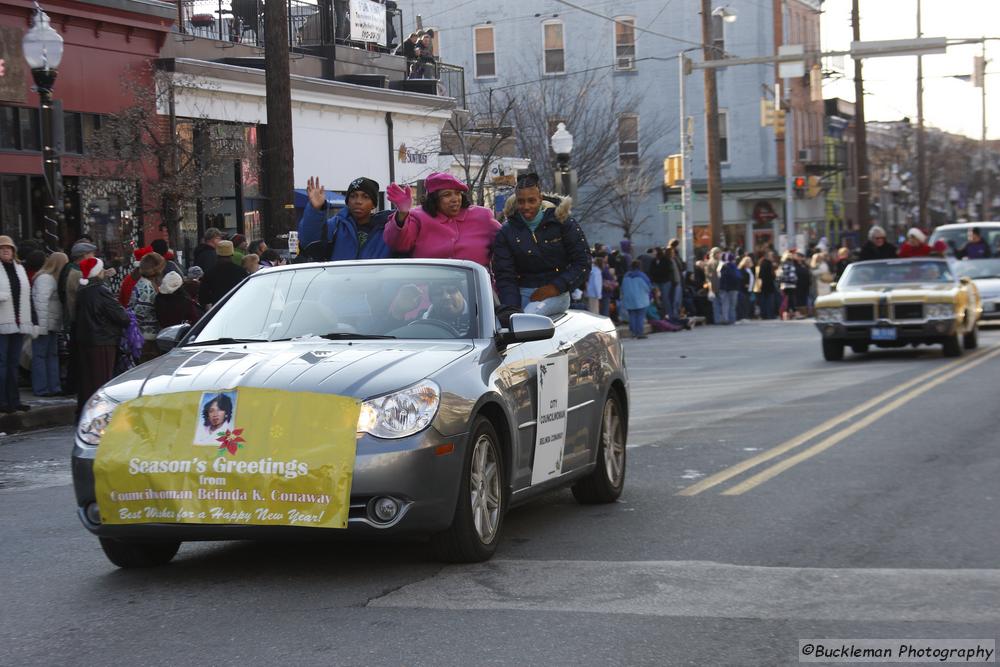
[[562, 146], [43, 50]]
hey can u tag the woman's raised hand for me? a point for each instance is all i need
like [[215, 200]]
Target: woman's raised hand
[[402, 197], [316, 193]]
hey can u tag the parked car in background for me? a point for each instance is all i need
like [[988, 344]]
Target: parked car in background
[[957, 235], [899, 302], [985, 273]]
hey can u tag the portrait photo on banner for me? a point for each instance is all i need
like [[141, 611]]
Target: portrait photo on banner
[[216, 415]]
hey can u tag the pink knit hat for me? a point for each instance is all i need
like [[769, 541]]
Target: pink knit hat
[[441, 181]]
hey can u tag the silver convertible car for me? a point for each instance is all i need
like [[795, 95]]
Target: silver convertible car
[[377, 397]]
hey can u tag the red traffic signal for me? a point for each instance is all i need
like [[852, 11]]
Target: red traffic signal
[[800, 182]]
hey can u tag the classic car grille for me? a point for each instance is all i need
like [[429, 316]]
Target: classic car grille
[[860, 313], [909, 311]]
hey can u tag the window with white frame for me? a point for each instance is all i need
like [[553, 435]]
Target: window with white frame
[[485, 52], [628, 140], [553, 46], [624, 43], [723, 136]]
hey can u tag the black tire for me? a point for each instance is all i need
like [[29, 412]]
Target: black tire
[[606, 482], [138, 554], [951, 346], [970, 341], [465, 541], [833, 350], [859, 348]]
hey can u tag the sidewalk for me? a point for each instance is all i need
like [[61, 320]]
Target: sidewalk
[[44, 413]]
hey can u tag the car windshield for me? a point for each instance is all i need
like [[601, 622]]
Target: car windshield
[[348, 302], [978, 268], [918, 271]]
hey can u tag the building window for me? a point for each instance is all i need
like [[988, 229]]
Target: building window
[[625, 43], [723, 136], [628, 140], [9, 128], [486, 57], [90, 123], [30, 131], [72, 133], [554, 47]]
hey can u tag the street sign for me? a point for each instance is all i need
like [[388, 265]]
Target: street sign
[[671, 206], [793, 69]]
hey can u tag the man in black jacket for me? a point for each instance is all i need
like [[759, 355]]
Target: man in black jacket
[[205, 254], [540, 254], [221, 278], [98, 326], [878, 247]]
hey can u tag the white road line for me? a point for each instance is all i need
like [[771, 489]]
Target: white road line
[[706, 589]]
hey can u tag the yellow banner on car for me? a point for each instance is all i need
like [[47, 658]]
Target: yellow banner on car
[[245, 456]]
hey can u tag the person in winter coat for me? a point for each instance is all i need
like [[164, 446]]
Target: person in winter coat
[[636, 288], [447, 226], [540, 254], [128, 283], [356, 232], [975, 247], [822, 276], [661, 275], [143, 303], [15, 322], [675, 299], [160, 246], [99, 324], [877, 246], [45, 380], [766, 287], [745, 301], [802, 285], [843, 261], [224, 276], [915, 245], [729, 289], [205, 254], [594, 287], [173, 305], [712, 266], [788, 279]]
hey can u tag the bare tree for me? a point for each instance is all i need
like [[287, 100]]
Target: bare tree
[[626, 191], [171, 159], [476, 138]]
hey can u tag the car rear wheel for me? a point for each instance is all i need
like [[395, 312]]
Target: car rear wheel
[[951, 346], [833, 350], [859, 348], [970, 341], [128, 554], [482, 502], [606, 482]]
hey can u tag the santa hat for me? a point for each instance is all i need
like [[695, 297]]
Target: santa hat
[[91, 267]]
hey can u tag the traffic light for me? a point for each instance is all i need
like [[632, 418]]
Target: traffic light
[[813, 186], [673, 171], [766, 113], [800, 186], [779, 122]]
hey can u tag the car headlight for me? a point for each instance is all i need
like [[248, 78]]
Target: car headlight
[[938, 311], [829, 314], [95, 418], [401, 413]]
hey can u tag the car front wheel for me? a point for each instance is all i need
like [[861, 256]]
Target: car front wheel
[[127, 554], [833, 350], [475, 528], [951, 346], [606, 482]]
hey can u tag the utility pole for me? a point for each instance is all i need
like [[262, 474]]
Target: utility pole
[[278, 153], [860, 134], [922, 194], [986, 209], [712, 128]]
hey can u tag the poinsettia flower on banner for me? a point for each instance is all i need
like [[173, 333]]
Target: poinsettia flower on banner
[[230, 441]]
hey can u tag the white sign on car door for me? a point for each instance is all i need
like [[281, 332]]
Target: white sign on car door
[[367, 22], [550, 429]]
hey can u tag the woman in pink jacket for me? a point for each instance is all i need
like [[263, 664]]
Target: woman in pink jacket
[[447, 226]]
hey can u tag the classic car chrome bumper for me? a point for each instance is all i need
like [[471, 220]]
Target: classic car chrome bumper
[[417, 472], [906, 332]]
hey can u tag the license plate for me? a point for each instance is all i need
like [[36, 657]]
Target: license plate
[[884, 333]]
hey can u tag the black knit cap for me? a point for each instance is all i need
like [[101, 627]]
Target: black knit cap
[[367, 186]]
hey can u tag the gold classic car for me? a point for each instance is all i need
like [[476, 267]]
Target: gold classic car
[[899, 302]]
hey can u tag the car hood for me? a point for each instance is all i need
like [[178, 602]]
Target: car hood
[[361, 369], [897, 292]]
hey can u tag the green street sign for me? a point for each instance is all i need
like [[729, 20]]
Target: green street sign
[[671, 206]]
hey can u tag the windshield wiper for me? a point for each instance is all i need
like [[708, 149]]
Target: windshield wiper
[[224, 341], [354, 336]]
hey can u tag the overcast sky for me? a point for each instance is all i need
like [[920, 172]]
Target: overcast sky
[[891, 83]]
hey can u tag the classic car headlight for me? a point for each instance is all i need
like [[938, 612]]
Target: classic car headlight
[[937, 311], [402, 413], [829, 314], [95, 418]]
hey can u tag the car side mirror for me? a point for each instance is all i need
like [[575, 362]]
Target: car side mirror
[[168, 337], [833, 287], [525, 327]]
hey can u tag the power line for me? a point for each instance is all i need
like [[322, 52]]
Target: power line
[[631, 25]]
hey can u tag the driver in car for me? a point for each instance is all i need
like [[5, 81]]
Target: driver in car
[[448, 306]]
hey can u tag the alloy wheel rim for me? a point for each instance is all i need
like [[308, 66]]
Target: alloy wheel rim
[[613, 440], [484, 487]]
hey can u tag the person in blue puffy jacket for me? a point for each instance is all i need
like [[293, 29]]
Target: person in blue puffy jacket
[[636, 289], [355, 232], [730, 282]]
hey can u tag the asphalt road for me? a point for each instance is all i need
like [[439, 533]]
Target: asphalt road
[[770, 497]]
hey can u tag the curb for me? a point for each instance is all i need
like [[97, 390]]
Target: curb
[[39, 417]]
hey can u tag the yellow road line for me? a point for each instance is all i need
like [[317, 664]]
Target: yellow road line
[[825, 444], [778, 450]]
